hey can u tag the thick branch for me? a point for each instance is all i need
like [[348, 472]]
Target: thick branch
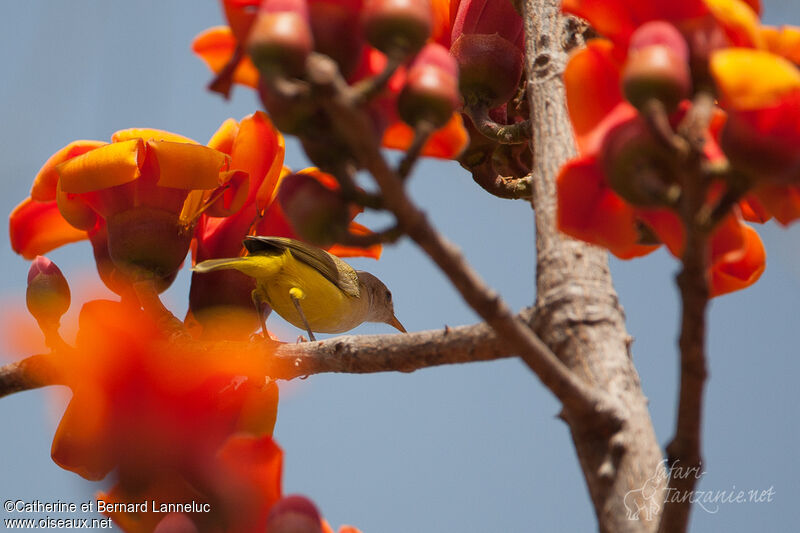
[[578, 314]]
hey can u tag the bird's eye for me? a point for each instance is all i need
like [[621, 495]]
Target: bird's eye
[[388, 296]]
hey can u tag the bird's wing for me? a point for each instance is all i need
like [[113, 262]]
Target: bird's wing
[[331, 267]]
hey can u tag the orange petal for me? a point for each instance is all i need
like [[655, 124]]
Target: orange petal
[[739, 21], [784, 42], [38, 227], [739, 268], [149, 134], [81, 440], [446, 143], [592, 83], [258, 149], [231, 196], [188, 166], [611, 18], [216, 47], [667, 226], [781, 201], [104, 167], [753, 210], [355, 228], [753, 79], [728, 236], [590, 211], [223, 138], [44, 184]]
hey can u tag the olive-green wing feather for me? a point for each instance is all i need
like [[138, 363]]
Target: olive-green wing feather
[[334, 269]]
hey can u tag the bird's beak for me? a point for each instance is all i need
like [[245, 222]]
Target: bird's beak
[[396, 324]]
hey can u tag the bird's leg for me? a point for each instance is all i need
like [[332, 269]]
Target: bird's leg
[[256, 297], [296, 295]]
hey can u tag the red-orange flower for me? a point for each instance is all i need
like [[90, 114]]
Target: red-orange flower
[[131, 197]]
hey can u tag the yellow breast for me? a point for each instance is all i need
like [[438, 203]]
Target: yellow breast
[[326, 307]]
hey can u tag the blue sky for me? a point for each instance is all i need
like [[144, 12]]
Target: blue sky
[[471, 448]]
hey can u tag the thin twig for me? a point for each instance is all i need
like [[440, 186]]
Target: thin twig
[[517, 133], [422, 133], [388, 235], [370, 87], [685, 450], [353, 354]]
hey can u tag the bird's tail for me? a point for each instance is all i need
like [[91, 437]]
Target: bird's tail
[[253, 266]]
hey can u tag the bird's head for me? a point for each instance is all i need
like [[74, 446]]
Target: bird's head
[[381, 307]]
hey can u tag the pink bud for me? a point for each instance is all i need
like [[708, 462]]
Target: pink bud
[[294, 514], [48, 295], [659, 32], [431, 90], [176, 523]]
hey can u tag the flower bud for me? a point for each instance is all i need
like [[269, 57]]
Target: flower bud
[[656, 72], [317, 213], [337, 32], [48, 295], [279, 43], [294, 514], [290, 115], [431, 90], [490, 68], [659, 32], [637, 166], [176, 523], [397, 27]]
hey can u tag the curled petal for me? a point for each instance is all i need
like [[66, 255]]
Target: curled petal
[[780, 201], [784, 41], [38, 227], [216, 46], [594, 97], [753, 210], [258, 149], [753, 79], [355, 228], [617, 19], [667, 226], [188, 166], [446, 143], [229, 198], [728, 237], [588, 210], [44, 184], [80, 443], [104, 167], [149, 134], [740, 268], [739, 21], [223, 138]]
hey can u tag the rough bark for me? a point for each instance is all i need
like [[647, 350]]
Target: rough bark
[[578, 312]]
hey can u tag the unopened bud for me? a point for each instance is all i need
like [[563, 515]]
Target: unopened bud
[[397, 27], [317, 213], [176, 523], [48, 295], [656, 72], [336, 28], [294, 514], [490, 68], [431, 90], [659, 32], [279, 43], [637, 166]]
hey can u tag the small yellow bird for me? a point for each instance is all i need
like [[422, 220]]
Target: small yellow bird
[[309, 287]]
